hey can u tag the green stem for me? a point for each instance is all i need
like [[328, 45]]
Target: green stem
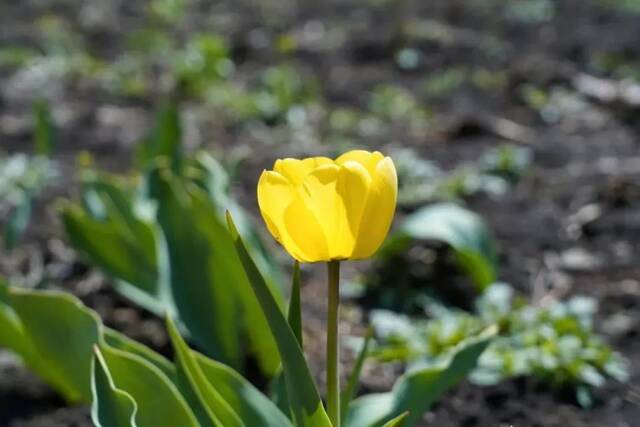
[[333, 372]]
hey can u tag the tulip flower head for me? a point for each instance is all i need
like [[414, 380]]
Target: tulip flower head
[[320, 209]]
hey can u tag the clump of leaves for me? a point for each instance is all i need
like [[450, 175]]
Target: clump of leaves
[[554, 343], [22, 177], [530, 11], [497, 169]]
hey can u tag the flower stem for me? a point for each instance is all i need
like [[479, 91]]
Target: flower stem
[[333, 349]]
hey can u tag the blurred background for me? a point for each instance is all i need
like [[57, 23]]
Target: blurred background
[[514, 126]]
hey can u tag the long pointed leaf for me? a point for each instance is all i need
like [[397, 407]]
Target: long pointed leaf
[[210, 408], [303, 394], [253, 407]]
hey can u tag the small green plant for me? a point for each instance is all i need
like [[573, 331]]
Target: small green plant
[[554, 343], [422, 181], [23, 177]]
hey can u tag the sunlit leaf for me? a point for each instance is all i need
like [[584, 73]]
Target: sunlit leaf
[[464, 231], [210, 408], [303, 396]]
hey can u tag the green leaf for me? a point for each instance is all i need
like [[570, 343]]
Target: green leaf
[[61, 334], [210, 408], [464, 231], [54, 334], [121, 342], [354, 378], [294, 317], [165, 140], [295, 311], [203, 264], [416, 391], [111, 407], [397, 421], [159, 401], [303, 395], [12, 333], [123, 252], [44, 132], [17, 222], [253, 407], [201, 271]]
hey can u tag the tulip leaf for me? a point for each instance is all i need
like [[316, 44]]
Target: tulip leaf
[[294, 317], [205, 300], [44, 131], [304, 398], [210, 408], [295, 311], [111, 406], [417, 390], [61, 333], [123, 252], [200, 269], [464, 231], [54, 334], [397, 421], [165, 139], [159, 401], [253, 407], [121, 342], [16, 223]]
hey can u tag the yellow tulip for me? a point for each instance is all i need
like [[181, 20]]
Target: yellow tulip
[[320, 209]]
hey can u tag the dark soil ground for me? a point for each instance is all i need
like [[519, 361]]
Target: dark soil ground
[[571, 226]]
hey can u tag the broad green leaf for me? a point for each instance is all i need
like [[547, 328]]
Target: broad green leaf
[[464, 231], [253, 407], [62, 332], [111, 407], [209, 407], [159, 401], [44, 132], [354, 378], [203, 265], [121, 342], [12, 334], [203, 278], [417, 390], [304, 399], [119, 250], [208, 173]]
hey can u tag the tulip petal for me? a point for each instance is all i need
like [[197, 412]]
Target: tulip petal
[[379, 210], [367, 159], [319, 191], [275, 194], [295, 170], [353, 188], [305, 231]]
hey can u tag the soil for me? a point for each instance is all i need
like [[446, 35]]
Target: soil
[[570, 226]]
